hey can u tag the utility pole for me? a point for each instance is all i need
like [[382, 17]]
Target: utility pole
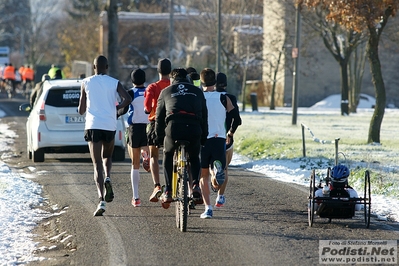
[[171, 11], [295, 56], [112, 12], [219, 42]]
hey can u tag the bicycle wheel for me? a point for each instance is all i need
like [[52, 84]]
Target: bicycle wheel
[[183, 200], [312, 202], [9, 89], [177, 203], [28, 90], [367, 199]]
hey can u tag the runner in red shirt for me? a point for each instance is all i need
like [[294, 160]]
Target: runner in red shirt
[[150, 105]]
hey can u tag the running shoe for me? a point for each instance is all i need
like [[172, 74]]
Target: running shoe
[[136, 202], [197, 196], [156, 194], [219, 172], [220, 201], [166, 197], [146, 161], [100, 209], [207, 214], [109, 194]]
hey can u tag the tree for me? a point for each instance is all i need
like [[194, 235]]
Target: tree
[[81, 9], [239, 18], [80, 42], [359, 15], [356, 71], [341, 43], [15, 27]]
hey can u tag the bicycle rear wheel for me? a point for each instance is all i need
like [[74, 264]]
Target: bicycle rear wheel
[[182, 202], [177, 203]]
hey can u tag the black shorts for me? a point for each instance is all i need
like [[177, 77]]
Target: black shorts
[[214, 149], [137, 135], [151, 135], [96, 135]]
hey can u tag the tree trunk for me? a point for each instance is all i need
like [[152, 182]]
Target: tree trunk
[[379, 87], [272, 100], [113, 38], [356, 71], [344, 87]]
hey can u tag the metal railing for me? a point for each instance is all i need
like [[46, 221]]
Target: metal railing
[[319, 141]]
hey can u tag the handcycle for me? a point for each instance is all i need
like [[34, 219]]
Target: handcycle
[[180, 180], [337, 203]]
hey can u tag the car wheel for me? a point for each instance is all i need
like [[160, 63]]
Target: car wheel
[[28, 152], [38, 156], [119, 154]]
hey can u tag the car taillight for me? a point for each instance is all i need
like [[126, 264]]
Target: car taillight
[[120, 135], [39, 137], [42, 114]]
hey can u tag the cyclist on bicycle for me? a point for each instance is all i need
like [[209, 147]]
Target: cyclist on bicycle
[[28, 76], [181, 115], [9, 75]]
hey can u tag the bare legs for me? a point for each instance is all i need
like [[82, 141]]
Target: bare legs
[[101, 156], [154, 163], [204, 185]]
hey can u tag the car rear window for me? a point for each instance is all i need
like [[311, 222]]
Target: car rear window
[[65, 97]]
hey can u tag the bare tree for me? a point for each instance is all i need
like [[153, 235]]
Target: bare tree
[[42, 39], [356, 70], [340, 42], [361, 15]]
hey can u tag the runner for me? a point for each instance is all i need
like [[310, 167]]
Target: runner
[[150, 105], [213, 153], [231, 125], [99, 100], [136, 132]]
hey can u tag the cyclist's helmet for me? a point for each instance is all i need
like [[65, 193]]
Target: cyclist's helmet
[[340, 173]]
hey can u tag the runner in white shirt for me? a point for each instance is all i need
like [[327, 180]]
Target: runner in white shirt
[[99, 100]]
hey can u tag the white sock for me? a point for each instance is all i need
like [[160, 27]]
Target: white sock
[[135, 178], [208, 207]]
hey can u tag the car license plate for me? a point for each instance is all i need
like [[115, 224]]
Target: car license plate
[[74, 119]]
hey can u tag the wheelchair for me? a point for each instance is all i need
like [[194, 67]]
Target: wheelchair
[[336, 202]]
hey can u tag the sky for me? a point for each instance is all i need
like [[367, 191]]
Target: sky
[[19, 217]]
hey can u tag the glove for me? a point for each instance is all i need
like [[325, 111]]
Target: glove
[[231, 139], [158, 141]]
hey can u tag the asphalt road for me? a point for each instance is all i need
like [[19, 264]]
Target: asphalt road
[[264, 221]]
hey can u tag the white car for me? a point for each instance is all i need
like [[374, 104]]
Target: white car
[[55, 126]]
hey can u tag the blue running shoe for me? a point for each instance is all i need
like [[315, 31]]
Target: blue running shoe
[[207, 214], [219, 172], [220, 201]]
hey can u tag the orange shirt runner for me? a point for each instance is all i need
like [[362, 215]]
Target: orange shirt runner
[[151, 96], [9, 73], [28, 74]]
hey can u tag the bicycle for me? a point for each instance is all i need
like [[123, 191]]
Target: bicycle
[[27, 88], [9, 87], [180, 179]]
